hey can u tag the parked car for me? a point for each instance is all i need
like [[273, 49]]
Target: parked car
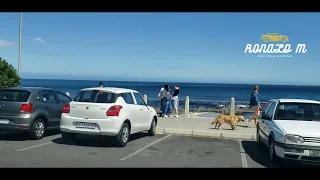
[[290, 128], [107, 111], [32, 109]]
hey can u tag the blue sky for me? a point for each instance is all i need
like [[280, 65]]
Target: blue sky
[[185, 47]]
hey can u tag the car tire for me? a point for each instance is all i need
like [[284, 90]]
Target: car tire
[[68, 137], [284, 40], [265, 39], [259, 143], [272, 153], [152, 130], [123, 137], [38, 129]]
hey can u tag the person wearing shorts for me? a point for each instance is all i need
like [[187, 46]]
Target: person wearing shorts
[[175, 100]]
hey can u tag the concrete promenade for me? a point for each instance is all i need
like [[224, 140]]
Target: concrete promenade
[[201, 126]]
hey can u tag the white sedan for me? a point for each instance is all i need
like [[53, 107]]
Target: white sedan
[[107, 111], [290, 128]]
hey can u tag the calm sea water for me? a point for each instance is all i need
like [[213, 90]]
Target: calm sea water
[[196, 91]]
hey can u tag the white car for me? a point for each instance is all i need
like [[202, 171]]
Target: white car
[[290, 128], [107, 111]]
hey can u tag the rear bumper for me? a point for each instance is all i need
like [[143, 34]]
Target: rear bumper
[[19, 123], [107, 127]]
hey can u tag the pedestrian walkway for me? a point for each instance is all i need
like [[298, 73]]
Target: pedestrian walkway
[[201, 126]]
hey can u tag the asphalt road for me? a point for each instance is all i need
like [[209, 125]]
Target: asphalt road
[[141, 151]]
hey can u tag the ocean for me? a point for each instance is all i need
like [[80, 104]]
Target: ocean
[[200, 94]]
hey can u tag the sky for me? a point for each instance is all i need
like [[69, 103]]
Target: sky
[[171, 47]]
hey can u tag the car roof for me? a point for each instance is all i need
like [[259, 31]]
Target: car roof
[[110, 89], [296, 101], [30, 88]]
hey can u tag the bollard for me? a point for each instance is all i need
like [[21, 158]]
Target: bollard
[[186, 107], [145, 98], [232, 106]]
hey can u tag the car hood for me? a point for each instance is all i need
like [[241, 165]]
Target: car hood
[[301, 128]]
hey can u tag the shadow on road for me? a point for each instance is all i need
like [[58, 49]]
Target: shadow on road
[[261, 156], [22, 136], [95, 141]]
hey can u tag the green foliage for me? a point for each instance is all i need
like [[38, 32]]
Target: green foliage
[[8, 75]]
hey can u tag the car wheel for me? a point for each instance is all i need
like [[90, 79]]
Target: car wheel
[[265, 39], [272, 153], [68, 137], [152, 130], [38, 129], [284, 40], [123, 137], [259, 143]]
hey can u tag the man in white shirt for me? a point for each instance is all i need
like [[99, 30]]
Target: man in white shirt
[[161, 98]]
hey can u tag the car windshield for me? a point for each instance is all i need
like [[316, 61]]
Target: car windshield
[[14, 95], [298, 111], [95, 97]]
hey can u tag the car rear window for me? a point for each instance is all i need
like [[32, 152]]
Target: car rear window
[[95, 97], [14, 95], [298, 111]]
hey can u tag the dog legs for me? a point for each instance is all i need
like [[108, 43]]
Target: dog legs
[[233, 126]]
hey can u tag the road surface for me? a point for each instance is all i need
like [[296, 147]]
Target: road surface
[[142, 151]]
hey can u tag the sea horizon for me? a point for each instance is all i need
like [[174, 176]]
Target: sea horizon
[[168, 82]]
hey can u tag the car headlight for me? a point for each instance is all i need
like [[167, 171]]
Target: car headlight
[[293, 139]]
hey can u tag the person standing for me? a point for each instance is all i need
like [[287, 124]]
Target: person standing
[[175, 100], [101, 84], [166, 104], [161, 98], [254, 104]]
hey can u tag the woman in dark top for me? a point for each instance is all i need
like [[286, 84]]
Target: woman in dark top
[[175, 100], [254, 104]]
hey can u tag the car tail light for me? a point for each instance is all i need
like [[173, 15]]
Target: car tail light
[[114, 110], [26, 108], [66, 108]]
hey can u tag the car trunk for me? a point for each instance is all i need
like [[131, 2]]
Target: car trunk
[[10, 108], [12, 100], [89, 110]]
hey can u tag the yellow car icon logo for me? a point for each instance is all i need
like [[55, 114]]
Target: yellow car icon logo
[[274, 37]]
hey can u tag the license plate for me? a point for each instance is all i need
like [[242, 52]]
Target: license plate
[[3, 121], [85, 125], [314, 153]]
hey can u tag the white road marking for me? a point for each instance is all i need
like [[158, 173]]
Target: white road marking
[[34, 146], [243, 156], [145, 147]]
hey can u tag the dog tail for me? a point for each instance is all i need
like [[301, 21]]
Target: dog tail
[[213, 122]]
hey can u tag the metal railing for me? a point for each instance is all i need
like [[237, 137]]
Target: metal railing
[[231, 107]]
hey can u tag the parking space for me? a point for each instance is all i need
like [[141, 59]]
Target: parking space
[[141, 151]]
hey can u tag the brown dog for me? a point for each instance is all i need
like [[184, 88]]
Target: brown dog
[[231, 120]]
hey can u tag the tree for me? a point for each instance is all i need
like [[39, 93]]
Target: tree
[[8, 75]]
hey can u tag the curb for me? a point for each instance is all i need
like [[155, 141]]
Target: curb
[[210, 134]]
